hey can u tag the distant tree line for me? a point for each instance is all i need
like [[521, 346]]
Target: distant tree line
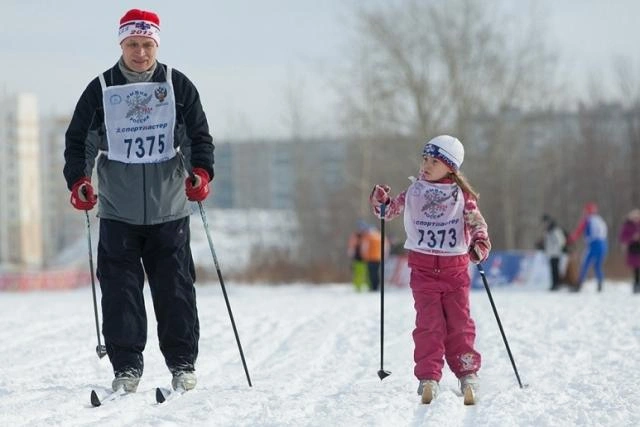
[[422, 68]]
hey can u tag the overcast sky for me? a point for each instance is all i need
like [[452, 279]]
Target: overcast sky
[[243, 62]]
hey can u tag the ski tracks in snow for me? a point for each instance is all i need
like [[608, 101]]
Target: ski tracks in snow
[[313, 353], [309, 356]]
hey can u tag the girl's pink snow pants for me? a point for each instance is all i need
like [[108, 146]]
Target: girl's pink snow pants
[[444, 328]]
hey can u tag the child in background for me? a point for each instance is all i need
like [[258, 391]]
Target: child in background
[[630, 240], [445, 231]]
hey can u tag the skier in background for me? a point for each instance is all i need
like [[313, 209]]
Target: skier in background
[[630, 239], [594, 230], [445, 231]]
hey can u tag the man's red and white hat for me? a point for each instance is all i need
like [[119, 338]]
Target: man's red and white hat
[[141, 23]]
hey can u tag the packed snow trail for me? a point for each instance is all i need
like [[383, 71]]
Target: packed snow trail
[[313, 355]]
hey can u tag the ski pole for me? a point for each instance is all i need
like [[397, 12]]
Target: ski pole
[[495, 312], [100, 349], [224, 291], [382, 373]]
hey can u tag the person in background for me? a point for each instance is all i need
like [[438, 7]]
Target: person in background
[[371, 253], [144, 122], [445, 231], [630, 239], [594, 230], [359, 275], [554, 244]]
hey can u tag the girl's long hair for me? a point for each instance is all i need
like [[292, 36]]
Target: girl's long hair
[[462, 182]]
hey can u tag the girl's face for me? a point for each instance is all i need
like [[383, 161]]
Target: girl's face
[[434, 169]]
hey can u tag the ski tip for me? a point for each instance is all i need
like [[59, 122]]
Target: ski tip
[[159, 395], [469, 396], [95, 400]]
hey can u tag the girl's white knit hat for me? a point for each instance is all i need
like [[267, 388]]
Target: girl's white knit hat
[[446, 149]]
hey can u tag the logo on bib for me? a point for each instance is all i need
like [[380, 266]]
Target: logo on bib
[[139, 109], [115, 99], [435, 202], [160, 93]]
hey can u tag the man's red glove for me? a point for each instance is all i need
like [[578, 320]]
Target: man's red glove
[[83, 196], [197, 186]]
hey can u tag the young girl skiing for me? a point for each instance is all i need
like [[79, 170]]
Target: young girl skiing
[[445, 230]]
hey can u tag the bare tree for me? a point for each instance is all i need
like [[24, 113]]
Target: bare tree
[[294, 117], [427, 65], [488, 66], [421, 68], [629, 88]]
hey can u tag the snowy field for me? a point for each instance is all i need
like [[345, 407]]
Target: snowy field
[[234, 231], [313, 355]]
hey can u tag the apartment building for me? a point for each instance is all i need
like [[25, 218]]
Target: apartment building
[[37, 222], [62, 225], [276, 174], [20, 182]]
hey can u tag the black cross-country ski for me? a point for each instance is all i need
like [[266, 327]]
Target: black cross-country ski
[[166, 394], [109, 397]]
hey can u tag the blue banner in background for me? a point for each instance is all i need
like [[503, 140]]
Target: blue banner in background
[[508, 268], [504, 269]]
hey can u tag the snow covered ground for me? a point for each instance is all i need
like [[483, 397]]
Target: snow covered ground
[[235, 232], [313, 355]]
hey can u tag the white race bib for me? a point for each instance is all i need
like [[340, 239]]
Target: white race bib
[[597, 228], [140, 119], [434, 220]]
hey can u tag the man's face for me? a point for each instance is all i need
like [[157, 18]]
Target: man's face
[[139, 53]]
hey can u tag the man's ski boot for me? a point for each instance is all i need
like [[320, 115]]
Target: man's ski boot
[[126, 380], [185, 380]]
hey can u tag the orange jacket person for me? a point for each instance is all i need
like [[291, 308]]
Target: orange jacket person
[[370, 249], [359, 276]]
